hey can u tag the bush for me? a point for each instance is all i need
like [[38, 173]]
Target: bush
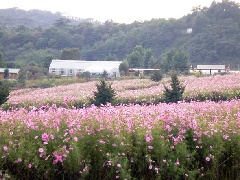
[[156, 76], [4, 91], [104, 94]]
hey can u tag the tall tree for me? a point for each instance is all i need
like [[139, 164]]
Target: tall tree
[[124, 68], [6, 73], [47, 61], [140, 57], [136, 58], [175, 60]]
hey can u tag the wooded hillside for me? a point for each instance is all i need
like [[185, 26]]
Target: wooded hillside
[[36, 35]]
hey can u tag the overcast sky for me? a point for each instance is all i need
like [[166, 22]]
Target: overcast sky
[[121, 11]]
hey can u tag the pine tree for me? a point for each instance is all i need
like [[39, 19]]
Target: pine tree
[[104, 94], [174, 94]]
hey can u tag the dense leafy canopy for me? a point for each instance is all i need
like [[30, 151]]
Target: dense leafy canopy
[[175, 60]]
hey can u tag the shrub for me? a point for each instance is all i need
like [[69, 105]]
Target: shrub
[[156, 76], [4, 92], [175, 93], [104, 94]]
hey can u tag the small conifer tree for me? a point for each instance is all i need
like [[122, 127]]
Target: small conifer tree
[[104, 94], [174, 94], [4, 92]]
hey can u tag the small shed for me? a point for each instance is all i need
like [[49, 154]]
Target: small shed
[[13, 73], [209, 69]]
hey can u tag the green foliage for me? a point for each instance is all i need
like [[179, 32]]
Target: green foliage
[[70, 54], [62, 22], [104, 75], [94, 152], [85, 75], [4, 91], [47, 61], [214, 39], [124, 68], [104, 94], [140, 57], [21, 79], [156, 76], [175, 93], [6, 73], [2, 64], [175, 60], [110, 57]]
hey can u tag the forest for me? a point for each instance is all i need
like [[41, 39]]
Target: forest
[[30, 37]]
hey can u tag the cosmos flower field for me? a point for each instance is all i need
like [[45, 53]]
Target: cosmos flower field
[[187, 140], [131, 91]]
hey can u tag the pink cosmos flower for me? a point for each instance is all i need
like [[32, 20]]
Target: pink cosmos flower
[[58, 158], [148, 139], [225, 136], [119, 165], [71, 131], [150, 147], [41, 150], [52, 136], [5, 148], [208, 158], [85, 168], [177, 163], [101, 142], [45, 137], [29, 165]]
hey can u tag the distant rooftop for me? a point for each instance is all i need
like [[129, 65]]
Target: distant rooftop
[[212, 67], [11, 70]]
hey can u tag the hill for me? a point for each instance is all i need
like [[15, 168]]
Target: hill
[[15, 17], [215, 37]]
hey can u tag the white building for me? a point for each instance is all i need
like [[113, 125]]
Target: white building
[[74, 67], [189, 30], [211, 69]]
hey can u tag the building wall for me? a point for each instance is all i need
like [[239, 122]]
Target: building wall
[[73, 72]]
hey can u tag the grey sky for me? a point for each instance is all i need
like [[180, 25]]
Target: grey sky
[[121, 11]]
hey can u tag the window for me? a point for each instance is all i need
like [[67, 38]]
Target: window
[[53, 70], [62, 72]]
